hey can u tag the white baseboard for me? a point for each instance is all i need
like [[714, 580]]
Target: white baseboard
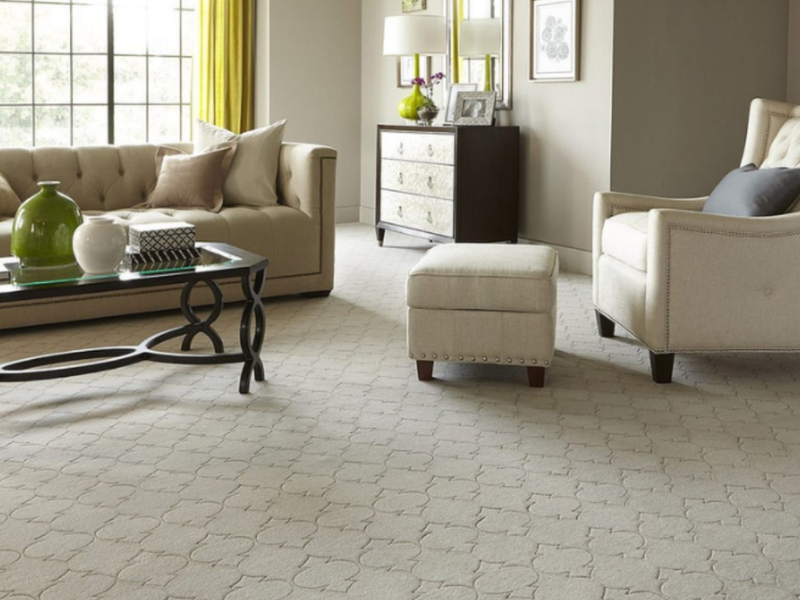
[[347, 214], [367, 215], [570, 259]]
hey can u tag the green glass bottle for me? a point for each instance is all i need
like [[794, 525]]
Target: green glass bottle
[[41, 235]]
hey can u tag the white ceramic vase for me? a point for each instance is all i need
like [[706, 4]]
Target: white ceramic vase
[[99, 245]]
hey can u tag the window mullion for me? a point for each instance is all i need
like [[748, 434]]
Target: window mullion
[[110, 71]]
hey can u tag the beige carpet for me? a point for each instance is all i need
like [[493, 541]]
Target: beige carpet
[[344, 477]]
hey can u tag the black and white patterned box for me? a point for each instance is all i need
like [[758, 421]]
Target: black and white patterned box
[[146, 237]]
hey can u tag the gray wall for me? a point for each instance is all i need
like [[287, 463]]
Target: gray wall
[[793, 76], [685, 72], [308, 64]]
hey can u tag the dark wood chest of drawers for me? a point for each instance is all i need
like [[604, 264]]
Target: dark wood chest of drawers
[[456, 184]]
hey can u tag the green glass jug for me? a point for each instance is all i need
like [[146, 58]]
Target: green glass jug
[[41, 235]]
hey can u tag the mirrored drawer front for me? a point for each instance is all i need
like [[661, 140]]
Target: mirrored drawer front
[[427, 214], [417, 178], [422, 147]]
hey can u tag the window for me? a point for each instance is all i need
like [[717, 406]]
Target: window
[[77, 72]]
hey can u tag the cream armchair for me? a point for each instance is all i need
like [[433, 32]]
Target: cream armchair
[[685, 281]]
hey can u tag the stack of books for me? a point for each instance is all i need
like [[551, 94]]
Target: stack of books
[[161, 246]]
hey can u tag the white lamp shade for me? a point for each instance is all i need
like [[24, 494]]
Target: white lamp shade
[[406, 35], [480, 37]]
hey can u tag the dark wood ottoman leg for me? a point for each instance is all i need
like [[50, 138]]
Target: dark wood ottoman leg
[[424, 370], [661, 366], [536, 376], [605, 326]]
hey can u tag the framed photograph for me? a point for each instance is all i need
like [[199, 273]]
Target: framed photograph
[[474, 108], [555, 40], [452, 94], [414, 5], [405, 69]]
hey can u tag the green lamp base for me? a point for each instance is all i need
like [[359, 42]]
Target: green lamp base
[[408, 106]]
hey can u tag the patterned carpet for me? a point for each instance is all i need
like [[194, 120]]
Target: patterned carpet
[[343, 476]]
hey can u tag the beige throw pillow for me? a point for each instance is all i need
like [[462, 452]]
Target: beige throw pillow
[[9, 201], [190, 180], [252, 179]]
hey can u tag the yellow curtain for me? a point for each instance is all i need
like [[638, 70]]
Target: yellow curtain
[[224, 75]]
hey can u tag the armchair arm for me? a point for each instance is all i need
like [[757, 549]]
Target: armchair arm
[[717, 282], [307, 179], [609, 204]]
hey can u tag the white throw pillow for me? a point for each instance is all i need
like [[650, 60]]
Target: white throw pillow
[[252, 178]]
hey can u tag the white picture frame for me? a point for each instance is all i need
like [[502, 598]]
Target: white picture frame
[[475, 108], [452, 93], [405, 69], [555, 40]]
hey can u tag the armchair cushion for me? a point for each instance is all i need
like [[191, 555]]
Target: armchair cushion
[[625, 238], [752, 192]]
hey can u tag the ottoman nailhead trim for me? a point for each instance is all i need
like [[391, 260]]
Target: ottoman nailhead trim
[[497, 360], [522, 361], [472, 359], [510, 361], [460, 358], [547, 362], [434, 356], [422, 355], [410, 355], [484, 359], [446, 357], [534, 361]]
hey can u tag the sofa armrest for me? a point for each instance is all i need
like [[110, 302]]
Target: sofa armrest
[[609, 204], [717, 282], [307, 179]]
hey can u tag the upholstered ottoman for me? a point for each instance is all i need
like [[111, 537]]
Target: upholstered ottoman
[[483, 303]]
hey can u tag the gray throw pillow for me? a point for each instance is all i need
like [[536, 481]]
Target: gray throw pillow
[[753, 192]]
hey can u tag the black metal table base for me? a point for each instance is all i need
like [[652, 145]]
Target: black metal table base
[[251, 341]]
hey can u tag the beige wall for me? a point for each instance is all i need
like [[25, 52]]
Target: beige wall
[[566, 136], [684, 75], [309, 72], [793, 78]]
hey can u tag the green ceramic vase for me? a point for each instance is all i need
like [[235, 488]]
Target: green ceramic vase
[[409, 106], [41, 235]]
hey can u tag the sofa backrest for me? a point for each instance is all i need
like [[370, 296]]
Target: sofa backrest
[[96, 177]]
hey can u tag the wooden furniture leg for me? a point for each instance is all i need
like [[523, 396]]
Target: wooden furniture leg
[[536, 376], [424, 370], [661, 366], [605, 326]]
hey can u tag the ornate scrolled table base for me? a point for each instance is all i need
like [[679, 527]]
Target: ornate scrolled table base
[[251, 339]]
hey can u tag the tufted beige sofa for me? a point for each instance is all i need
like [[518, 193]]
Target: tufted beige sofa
[[297, 236], [684, 281]]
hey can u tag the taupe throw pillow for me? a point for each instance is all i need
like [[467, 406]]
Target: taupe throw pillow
[[9, 201], [253, 177], [190, 180]]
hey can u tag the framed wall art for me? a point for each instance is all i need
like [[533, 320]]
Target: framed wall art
[[555, 40], [475, 108], [414, 5], [405, 69]]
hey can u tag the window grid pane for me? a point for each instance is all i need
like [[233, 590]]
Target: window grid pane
[[62, 86]]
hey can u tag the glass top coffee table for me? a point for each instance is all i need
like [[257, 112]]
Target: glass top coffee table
[[217, 261]]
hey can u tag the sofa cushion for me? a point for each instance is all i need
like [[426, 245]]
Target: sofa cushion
[[625, 238], [253, 176], [752, 192], [484, 277], [9, 201], [288, 237], [191, 180]]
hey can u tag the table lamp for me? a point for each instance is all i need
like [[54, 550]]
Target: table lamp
[[406, 35], [481, 37]]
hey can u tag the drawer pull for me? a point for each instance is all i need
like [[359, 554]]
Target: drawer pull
[[399, 211], [430, 217], [430, 181], [400, 149], [430, 149], [400, 178]]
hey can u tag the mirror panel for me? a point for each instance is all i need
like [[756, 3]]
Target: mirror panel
[[464, 65]]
